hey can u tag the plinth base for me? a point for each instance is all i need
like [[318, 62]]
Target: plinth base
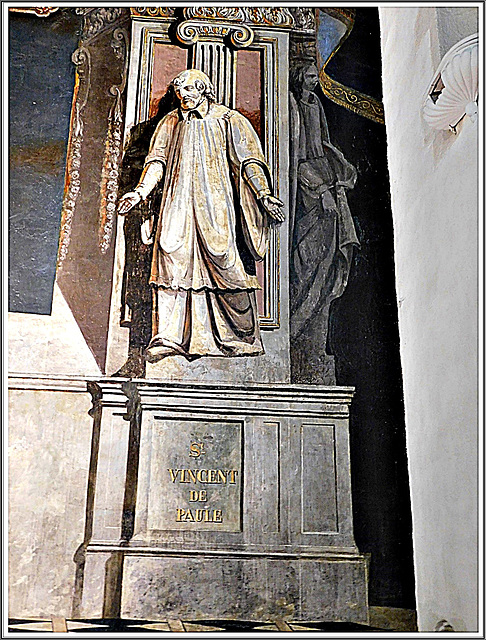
[[263, 589], [157, 587]]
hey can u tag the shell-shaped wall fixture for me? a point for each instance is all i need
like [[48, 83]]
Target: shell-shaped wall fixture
[[453, 93]]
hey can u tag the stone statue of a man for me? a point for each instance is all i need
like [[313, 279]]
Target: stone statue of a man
[[214, 217]]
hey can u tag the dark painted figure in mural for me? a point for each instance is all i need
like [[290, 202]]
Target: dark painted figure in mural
[[213, 170], [322, 231]]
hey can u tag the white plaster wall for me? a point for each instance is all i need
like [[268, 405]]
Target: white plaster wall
[[434, 189]]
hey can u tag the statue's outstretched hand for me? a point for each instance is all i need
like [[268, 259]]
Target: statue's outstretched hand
[[128, 201], [273, 206]]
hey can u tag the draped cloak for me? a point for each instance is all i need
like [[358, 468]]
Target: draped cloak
[[204, 298], [321, 226]]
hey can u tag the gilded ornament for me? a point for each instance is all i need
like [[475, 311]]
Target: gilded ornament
[[40, 12], [351, 99], [152, 12]]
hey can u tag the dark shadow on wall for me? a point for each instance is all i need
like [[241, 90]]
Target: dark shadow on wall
[[363, 334], [40, 93], [136, 303]]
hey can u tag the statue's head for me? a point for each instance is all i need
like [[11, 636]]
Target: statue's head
[[303, 75], [192, 87]]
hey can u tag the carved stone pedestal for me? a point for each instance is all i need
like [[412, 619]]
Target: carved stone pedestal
[[222, 502]]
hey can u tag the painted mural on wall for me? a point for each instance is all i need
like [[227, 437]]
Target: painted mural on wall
[[208, 224]]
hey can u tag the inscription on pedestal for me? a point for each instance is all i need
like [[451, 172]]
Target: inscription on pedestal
[[195, 476]]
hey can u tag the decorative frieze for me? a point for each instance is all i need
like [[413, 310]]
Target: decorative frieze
[[233, 14], [98, 19], [113, 146], [304, 18], [264, 16], [269, 16], [152, 12], [82, 59]]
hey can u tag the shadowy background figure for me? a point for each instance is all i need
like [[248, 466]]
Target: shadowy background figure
[[136, 303], [322, 233]]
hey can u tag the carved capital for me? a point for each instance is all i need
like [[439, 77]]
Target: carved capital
[[192, 31]]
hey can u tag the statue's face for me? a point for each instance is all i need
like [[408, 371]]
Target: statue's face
[[188, 93], [311, 78]]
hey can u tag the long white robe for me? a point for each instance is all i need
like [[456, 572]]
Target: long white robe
[[204, 301]]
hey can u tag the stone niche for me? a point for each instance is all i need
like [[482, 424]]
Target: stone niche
[[245, 52], [218, 490]]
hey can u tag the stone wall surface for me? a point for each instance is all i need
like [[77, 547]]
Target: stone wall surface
[[49, 454], [434, 188], [54, 344]]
